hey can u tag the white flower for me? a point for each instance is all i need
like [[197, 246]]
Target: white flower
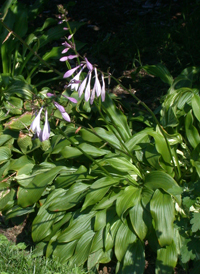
[[35, 126], [45, 133]]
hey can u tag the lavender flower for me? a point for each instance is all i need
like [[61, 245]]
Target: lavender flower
[[64, 114], [69, 57], [71, 71], [76, 85]]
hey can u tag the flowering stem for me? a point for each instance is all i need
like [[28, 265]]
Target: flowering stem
[[176, 167]]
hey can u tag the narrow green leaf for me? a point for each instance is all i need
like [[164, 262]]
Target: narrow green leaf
[[69, 198], [77, 228], [127, 199], [140, 218], [94, 196], [163, 213], [118, 118], [71, 152], [103, 182], [18, 211], [83, 248], [124, 237], [97, 242]]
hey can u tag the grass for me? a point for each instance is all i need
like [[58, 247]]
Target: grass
[[15, 259]]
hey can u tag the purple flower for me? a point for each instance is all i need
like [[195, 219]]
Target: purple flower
[[50, 94], [89, 65], [74, 82], [69, 57], [35, 125], [45, 133], [71, 71], [73, 100], [64, 114]]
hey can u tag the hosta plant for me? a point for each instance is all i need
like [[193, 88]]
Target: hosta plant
[[106, 186]]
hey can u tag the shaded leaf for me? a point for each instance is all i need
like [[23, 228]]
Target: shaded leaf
[[163, 213]]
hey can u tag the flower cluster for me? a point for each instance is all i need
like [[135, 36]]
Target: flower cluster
[[43, 134], [85, 85], [35, 127]]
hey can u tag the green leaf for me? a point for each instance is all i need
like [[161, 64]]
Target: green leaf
[[7, 197], [107, 201], [122, 164], [71, 176], [124, 237], [5, 154], [54, 53], [188, 250], [140, 218], [24, 142], [32, 192], [166, 259], [195, 221], [135, 142], [163, 214], [21, 122], [117, 117], [14, 105], [196, 106], [20, 88], [83, 248], [64, 252], [72, 152], [69, 198], [134, 259], [105, 181], [127, 199], [18, 211], [94, 258], [94, 196], [97, 242], [191, 131], [77, 228], [42, 224], [161, 71], [4, 138], [159, 179]]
